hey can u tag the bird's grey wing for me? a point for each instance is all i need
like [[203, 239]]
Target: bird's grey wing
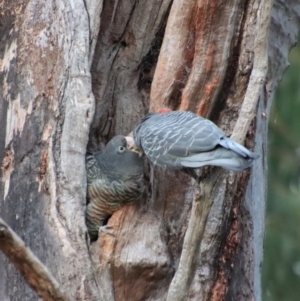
[[166, 141], [196, 136]]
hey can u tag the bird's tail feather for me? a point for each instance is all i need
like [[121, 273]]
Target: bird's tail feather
[[225, 158], [238, 148]]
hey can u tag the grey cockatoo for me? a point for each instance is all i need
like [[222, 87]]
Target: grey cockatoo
[[114, 179], [183, 140]]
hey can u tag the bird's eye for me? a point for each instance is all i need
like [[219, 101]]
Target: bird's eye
[[121, 149]]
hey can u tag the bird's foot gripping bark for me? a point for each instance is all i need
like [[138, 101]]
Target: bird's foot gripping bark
[[95, 232], [192, 172], [106, 229]]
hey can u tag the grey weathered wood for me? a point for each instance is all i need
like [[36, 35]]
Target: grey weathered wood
[[47, 105]]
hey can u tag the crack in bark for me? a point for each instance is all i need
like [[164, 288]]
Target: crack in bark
[[258, 75], [231, 72], [231, 243], [179, 287]]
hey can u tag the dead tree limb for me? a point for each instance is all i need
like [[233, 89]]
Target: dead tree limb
[[35, 273]]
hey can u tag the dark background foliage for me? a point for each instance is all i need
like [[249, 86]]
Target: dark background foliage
[[281, 268]]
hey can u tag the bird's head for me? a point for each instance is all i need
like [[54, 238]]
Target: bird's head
[[119, 160]]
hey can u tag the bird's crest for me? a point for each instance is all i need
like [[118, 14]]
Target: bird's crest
[[164, 110]]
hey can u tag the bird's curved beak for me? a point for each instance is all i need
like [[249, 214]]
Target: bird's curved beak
[[131, 145], [130, 142]]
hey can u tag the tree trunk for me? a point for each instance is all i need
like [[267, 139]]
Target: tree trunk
[[68, 86]]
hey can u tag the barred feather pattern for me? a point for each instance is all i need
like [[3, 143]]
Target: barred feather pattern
[[106, 196]]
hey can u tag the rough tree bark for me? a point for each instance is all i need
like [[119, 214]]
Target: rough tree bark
[[66, 86]]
